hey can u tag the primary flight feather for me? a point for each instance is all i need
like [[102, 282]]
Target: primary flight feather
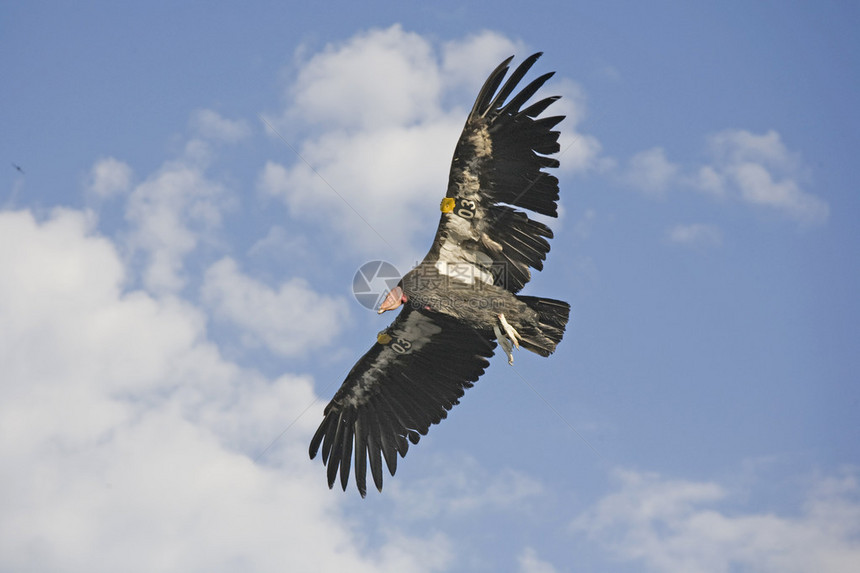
[[461, 300]]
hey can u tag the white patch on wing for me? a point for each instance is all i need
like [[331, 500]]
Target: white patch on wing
[[468, 265], [459, 229], [465, 265], [418, 330], [360, 392], [470, 271], [482, 141], [471, 187], [488, 242]]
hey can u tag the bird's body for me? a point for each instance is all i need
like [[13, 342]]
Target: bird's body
[[479, 305], [462, 299]]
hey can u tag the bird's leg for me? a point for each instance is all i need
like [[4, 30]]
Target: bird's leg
[[504, 343], [509, 339], [509, 330]]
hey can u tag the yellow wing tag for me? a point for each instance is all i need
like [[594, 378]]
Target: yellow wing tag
[[383, 338], [447, 205]]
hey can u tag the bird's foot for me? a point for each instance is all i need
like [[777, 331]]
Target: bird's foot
[[504, 343], [509, 330], [508, 339]]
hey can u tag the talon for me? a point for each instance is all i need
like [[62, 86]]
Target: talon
[[509, 330], [505, 344]]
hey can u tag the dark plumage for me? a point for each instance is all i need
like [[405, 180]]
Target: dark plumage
[[461, 300]]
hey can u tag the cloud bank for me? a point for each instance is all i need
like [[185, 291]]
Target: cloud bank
[[378, 161], [744, 167], [675, 526]]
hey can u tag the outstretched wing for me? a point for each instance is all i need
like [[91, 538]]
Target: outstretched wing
[[418, 369], [499, 164]]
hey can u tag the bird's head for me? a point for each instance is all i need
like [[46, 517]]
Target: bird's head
[[393, 299]]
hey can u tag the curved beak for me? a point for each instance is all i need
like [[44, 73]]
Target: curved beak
[[393, 299]]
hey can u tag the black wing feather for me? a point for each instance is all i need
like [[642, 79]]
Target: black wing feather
[[525, 94], [360, 454], [334, 454], [416, 372], [482, 102], [374, 451], [512, 82], [499, 162], [538, 108]]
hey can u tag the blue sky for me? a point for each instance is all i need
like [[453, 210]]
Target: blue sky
[[176, 305]]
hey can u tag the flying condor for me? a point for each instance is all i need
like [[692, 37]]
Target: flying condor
[[461, 299]]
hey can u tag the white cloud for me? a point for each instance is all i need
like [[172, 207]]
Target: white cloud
[[754, 169], [651, 172], [288, 320], [695, 234], [760, 170], [481, 51], [377, 188], [579, 151], [379, 161], [678, 526], [530, 563], [209, 124], [733, 146], [758, 187], [376, 79], [709, 180], [109, 177], [169, 214], [280, 243], [126, 439]]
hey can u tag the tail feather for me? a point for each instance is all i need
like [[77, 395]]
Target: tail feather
[[552, 316]]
